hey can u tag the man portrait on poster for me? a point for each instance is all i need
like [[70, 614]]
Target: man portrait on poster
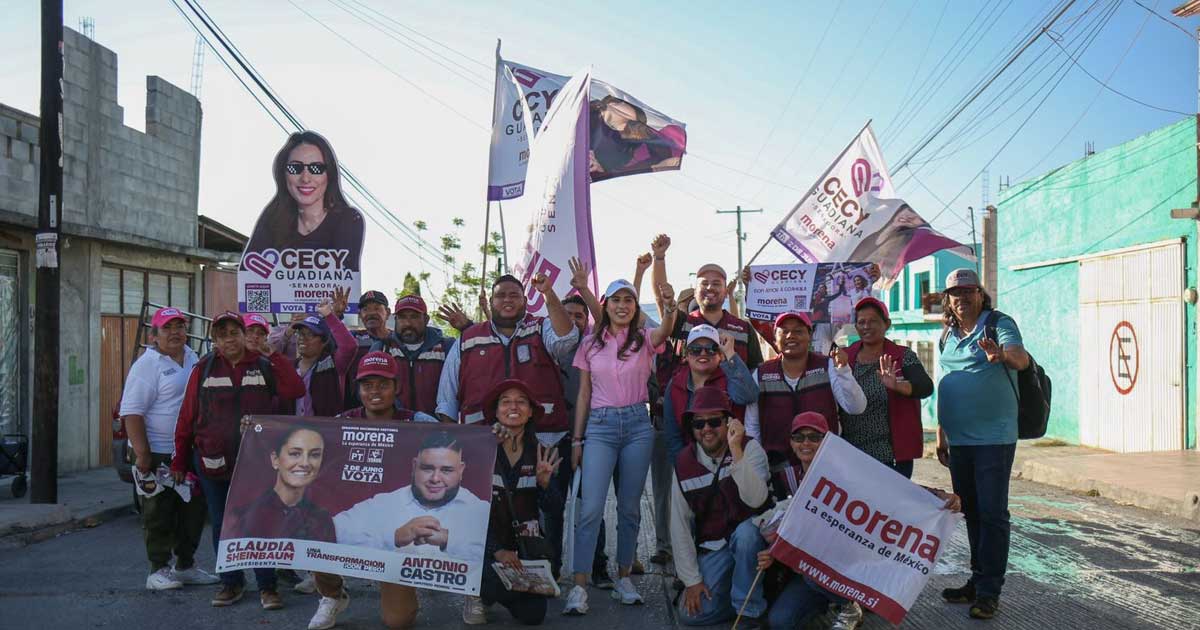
[[434, 516]]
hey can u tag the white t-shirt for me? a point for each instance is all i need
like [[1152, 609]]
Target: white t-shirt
[[154, 390], [373, 523]]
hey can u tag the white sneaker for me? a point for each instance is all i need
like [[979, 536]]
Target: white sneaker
[[308, 585], [473, 613], [162, 580], [625, 592], [576, 601], [194, 575], [327, 611], [849, 617]]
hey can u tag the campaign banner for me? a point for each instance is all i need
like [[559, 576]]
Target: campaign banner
[[627, 136], [862, 531], [827, 292], [852, 214], [559, 203], [393, 501]]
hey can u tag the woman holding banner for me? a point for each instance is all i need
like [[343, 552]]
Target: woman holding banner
[[894, 382]]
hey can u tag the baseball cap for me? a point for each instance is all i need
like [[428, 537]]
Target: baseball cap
[[376, 364], [962, 278], [255, 319], [315, 324], [618, 285], [493, 398], [812, 420], [166, 314], [708, 400], [714, 267], [411, 303], [228, 316], [783, 317], [704, 331], [870, 301], [372, 296]]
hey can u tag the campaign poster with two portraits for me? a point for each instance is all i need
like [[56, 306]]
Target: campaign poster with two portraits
[[382, 500]]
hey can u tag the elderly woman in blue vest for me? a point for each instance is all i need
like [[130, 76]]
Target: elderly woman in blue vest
[[521, 488], [894, 382], [611, 414], [977, 435]]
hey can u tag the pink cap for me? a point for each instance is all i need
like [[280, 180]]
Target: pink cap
[[411, 303], [783, 317], [255, 319], [377, 364], [166, 314]]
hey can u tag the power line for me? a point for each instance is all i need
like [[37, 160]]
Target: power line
[[1167, 20], [486, 66], [920, 64], [1110, 88]]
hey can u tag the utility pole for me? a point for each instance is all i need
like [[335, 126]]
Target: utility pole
[[741, 236], [44, 455], [974, 240]]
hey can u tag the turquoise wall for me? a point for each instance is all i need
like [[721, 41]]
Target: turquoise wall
[[1117, 198]]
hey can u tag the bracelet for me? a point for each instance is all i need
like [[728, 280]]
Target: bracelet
[[577, 442], [663, 257]]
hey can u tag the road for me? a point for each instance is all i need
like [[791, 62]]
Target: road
[[1077, 562]]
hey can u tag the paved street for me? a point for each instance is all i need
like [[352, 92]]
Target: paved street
[[1077, 562]]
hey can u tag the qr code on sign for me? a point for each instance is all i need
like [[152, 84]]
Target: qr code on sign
[[258, 300], [801, 303]]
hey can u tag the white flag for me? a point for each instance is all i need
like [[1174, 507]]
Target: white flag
[[558, 200]]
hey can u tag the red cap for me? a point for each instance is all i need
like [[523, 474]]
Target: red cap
[[228, 316], [256, 319], [377, 364], [411, 303], [493, 398], [870, 301], [812, 420], [166, 314], [783, 317], [708, 400]]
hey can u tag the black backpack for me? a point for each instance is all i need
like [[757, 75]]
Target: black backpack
[[1032, 387]]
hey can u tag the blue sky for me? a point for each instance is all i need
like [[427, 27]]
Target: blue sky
[[726, 69]]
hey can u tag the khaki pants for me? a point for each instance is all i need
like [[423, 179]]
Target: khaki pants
[[397, 603]]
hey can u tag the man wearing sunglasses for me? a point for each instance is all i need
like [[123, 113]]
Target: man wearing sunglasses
[[711, 361], [721, 485]]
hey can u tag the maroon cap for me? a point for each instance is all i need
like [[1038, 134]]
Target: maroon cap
[[166, 314], [870, 301], [783, 317], [492, 401], [708, 400], [228, 316], [256, 319], [377, 364], [812, 420], [411, 303]]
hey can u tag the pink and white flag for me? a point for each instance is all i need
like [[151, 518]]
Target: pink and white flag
[[558, 200]]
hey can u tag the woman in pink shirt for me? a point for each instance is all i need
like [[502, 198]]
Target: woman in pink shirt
[[613, 431]]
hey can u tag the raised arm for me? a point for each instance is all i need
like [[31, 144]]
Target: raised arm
[[559, 318], [665, 298], [579, 281], [658, 272]]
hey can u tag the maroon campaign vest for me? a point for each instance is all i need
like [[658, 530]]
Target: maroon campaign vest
[[361, 412], [222, 403], [718, 508], [324, 387], [419, 376], [778, 403], [668, 363], [681, 398], [904, 413], [523, 494], [487, 361]]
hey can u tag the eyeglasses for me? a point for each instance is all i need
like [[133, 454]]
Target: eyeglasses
[[314, 168], [698, 424], [701, 349], [801, 438]]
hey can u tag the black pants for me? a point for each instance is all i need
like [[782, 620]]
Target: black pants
[[526, 608]]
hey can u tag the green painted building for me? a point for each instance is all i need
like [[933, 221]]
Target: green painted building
[[1101, 280]]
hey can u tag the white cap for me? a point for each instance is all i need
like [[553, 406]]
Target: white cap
[[704, 331], [618, 285]]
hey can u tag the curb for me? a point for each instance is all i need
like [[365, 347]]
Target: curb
[[1187, 507], [19, 536]]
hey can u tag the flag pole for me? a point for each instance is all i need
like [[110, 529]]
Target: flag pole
[[822, 176], [749, 593], [487, 203]]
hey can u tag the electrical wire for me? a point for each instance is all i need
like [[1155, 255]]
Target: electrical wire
[[1167, 20]]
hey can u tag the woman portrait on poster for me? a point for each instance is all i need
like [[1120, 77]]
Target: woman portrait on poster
[[885, 246], [623, 143], [284, 510], [308, 210]]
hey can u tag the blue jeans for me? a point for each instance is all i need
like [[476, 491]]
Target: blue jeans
[[980, 477], [215, 493], [728, 574], [617, 439], [800, 601]]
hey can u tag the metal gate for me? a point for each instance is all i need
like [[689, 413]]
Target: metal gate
[[1131, 349]]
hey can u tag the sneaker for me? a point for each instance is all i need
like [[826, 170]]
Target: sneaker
[[850, 617], [576, 601], [626, 593], [162, 580], [637, 568], [753, 623], [985, 608], [327, 611], [194, 575], [288, 576], [661, 557], [227, 596], [308, 585], [601, 580], [270, 600], [473, 613], [964, 594]]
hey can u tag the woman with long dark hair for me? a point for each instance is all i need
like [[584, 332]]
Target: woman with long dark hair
[[611, 414], [308, 210], [284, 511]]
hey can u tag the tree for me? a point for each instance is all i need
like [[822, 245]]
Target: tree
[[464, 285]]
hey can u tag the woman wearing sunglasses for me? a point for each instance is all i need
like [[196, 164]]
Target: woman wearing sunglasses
[[308, 210]]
